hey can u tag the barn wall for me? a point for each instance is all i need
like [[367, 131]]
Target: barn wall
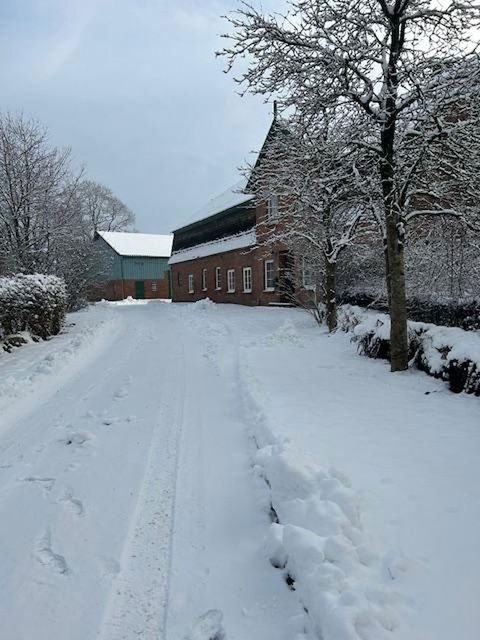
[[110, 263], [139, 268], [118, 289]]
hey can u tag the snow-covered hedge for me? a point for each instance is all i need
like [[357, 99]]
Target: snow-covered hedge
[[450, 312], [448, 353], [32, 303]]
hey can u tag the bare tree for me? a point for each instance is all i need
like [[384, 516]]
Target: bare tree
[[48, 215], [36, 194], [102, 210], [391, 64]]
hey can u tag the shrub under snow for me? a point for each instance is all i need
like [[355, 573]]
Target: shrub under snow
[[440, 310], [32, 303], [448, 353]]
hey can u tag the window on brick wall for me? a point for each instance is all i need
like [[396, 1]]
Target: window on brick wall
[[247, 279], [269, 276], [204, 279], [191, 288], [218, 278], [308, 276], [231, 281], [272, 208], [154, 286]]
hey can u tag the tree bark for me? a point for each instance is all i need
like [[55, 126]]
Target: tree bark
[[387, 271], [393, 222], [330, 292], [397, 297]]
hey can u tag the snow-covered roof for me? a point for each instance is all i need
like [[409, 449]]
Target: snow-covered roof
[[222, 245], [232, 197], [147, 245]]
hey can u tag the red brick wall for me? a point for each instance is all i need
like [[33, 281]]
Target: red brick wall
[[118, 290], [231, 260], [237, 259]]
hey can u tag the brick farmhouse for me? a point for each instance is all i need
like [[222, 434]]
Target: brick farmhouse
[[133, 265], [223, 253]]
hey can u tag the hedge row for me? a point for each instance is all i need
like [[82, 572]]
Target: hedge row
[[448, 312], [451, 354], [32, 303]]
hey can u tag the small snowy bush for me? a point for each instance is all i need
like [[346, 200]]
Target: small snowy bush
[[32, 303], [449, 353]]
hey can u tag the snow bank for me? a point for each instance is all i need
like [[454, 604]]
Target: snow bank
[[33, 369], [203, 305], [127, 301], [448, 353], [318, 541]]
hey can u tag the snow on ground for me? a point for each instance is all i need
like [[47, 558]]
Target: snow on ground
[[408, 447], [145, 452], [33, 370]]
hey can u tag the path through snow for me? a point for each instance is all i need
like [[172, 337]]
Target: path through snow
[[101, 464], [133, 499]]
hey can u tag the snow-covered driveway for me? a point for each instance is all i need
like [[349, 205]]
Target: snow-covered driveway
[[128, 505], [96, 466]]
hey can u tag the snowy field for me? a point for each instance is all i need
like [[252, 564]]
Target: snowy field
[[145, 452]]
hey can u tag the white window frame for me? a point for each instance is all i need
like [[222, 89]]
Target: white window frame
[[265, 279], [191, 284], [272, 208], [247, 279], [230, 280], [218, 278], [204, 279], [308, 282], [154, 285]]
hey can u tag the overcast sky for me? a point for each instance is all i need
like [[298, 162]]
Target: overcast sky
[[133, 87]]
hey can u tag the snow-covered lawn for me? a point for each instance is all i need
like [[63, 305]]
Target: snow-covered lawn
[[144, 451]]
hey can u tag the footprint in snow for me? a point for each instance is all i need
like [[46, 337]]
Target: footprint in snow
[[208, 627], [76, 439], [109, 421], [46, 484], [109, 566], [74, 504], [47, 557]]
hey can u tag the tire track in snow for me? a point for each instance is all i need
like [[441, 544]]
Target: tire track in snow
[[221, 568], [54, 558], [138, 602]]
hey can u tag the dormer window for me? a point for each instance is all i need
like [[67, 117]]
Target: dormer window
[[272, 207]]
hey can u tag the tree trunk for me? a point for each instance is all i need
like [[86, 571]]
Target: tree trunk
[[397, 295], [330, 292], [395, 260], [387, 271], [394, 227]]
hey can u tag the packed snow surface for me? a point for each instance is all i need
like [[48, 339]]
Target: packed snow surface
[[145, 245], [209, 472]]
